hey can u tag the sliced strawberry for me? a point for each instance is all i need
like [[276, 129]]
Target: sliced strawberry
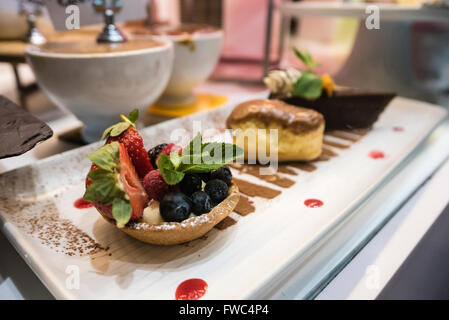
[[133, 143], [131, 184], [125, 132]]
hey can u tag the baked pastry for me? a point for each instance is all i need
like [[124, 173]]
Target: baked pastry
[[164, 196], [299, 130], [169, 233]]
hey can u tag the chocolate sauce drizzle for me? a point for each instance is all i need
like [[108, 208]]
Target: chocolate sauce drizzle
[[249, 189]]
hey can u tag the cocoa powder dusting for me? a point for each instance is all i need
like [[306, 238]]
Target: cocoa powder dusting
[[254, 170], [328, 152], [252, 189], [225, 223], [309, 167], [344, 135], [244, 207], [322, 157], [285, 169], [335, 144], [41, 220]]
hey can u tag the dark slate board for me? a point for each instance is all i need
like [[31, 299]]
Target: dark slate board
[[19, 130]]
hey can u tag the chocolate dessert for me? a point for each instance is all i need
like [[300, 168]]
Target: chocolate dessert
[[342, 107], [347, 108]]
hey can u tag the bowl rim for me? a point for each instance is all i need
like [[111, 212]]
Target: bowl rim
[[167, 45], [196, 36]]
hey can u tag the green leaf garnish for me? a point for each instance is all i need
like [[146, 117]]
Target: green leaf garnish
[[306, 58], [120, 127], [168, 171], [121, 210], [106, 186], [308, 86], [106, 157], [133, 116], [197, 157], [175, 159]]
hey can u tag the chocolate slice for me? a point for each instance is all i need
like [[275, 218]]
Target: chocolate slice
[[19, 130], [348, 108]]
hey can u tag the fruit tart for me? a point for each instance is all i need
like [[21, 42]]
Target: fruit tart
[[167, 195]]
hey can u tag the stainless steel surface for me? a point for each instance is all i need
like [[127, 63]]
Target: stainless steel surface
[[110, 32]]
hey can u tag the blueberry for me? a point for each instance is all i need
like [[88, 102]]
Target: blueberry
[[175, 207], [201, 203], [190, 184], [205, 176], [217, 190], [154, 152], [224, 174]]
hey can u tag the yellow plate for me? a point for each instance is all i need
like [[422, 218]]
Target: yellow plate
[[203, 101]]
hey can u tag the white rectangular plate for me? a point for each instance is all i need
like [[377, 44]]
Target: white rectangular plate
[[78, 255]]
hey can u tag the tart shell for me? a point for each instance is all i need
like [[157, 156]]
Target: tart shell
[[170, 233]]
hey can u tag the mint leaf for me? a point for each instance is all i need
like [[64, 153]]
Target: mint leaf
[[106, 157], [197, 157], [213, 156], [164, 162], [306, 58], [168, 171], [121, 210], [172, 177], [175, 159], [133, 116], [200, 168], [308, 86], [119, 128]]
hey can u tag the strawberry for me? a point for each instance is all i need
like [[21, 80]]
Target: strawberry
[[113, 184], [132, 185], [126, 133]]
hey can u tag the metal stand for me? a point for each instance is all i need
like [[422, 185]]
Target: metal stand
[[110, 33], [33, 35]]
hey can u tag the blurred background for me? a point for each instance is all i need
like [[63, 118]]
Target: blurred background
[[408, 54]]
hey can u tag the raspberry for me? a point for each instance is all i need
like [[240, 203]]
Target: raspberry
[[155, 185], [169, 148]]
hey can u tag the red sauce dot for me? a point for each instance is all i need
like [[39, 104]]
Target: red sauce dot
[[398, 129], [313, 203], [376, 154], [82, 204], [192, 289]]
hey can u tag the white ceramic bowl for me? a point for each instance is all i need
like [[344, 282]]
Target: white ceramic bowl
[[195, 60], [98, 87]]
